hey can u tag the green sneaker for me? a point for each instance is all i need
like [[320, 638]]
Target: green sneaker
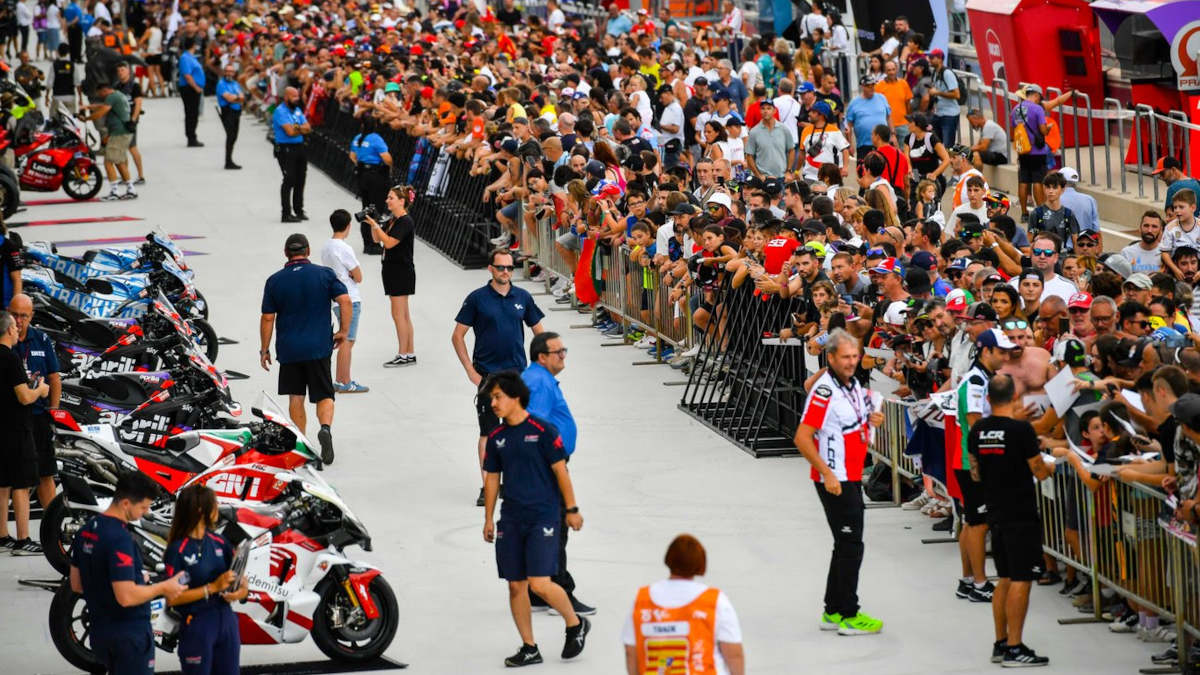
[[860, 624], [831, 621]]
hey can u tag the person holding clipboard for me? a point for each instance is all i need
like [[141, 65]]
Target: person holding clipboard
[[209, 641]]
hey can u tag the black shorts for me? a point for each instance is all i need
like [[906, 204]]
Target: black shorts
[[974, 510], [43, 444], [992, 158], [18, 459], [1017, 550], [483, 409], [1031, 168], [154, 59], [399, 280], [311, 376]]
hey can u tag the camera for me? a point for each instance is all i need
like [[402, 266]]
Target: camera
[[368, 212]]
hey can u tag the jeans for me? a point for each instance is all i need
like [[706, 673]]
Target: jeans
[[844, 514], [946, 127]]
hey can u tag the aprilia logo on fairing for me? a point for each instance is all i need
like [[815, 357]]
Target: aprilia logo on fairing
[[232, 485], [141, 437], [122, 365], [155, 423]]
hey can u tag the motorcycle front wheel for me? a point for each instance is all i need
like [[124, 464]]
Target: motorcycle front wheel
[[70, 625], [206, 338], [80, 182], [356, 639], [57, 531]]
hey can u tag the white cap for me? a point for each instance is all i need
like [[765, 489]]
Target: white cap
[[1070, 174], [722, 199]]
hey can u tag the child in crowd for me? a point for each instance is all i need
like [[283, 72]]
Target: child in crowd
[[927, 202]]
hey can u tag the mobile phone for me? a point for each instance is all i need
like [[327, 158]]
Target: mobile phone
[[848, 299], [1064, 325], [721, 181]]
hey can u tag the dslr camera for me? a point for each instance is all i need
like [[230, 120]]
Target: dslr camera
[[369, 212]]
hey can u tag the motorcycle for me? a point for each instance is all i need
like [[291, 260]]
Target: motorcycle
[[56, 157], [300, 580], [239, 462], [104, 261]]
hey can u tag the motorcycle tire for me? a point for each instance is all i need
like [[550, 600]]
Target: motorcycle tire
[[10, 192], [70, 644], [72, 192], [204, 305], [355, 646], [56, 549], [206, 338]]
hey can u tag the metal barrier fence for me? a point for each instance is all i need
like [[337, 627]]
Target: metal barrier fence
[[1121, 535]]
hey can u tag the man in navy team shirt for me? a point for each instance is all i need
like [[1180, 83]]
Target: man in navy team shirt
[[297, 298], [529, 453]]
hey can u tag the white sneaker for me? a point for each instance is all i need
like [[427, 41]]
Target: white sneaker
[[540, 276], [1158, 635], [502, 240], [560, 286], [645, 343], [112, 196], [692, 352], [916, 503]]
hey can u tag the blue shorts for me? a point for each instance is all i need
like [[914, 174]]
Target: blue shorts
[[355, 311], [128, 650], [527, 549], [510, 211]]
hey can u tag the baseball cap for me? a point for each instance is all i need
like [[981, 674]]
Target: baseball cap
[[1074, 353], [916, 280], [1186, 409], [923, 260], [804, 88], [888, 266], [813, 225], [1165, 163], [296, 243], [1139, 280], [936, 52], [794, 225], [509, 145], [958, 300], [959, 263], [1029, 273], [721, 95], [700, 82], [993, 279], [766, 101], [1129, 352], [684, 209], [868, 80], [720, 198], [1070, 174], [994, 337], [1118, 264], [961, 150], [1090, 235], [1032, 89], [391, 86], [595, 168], [772, 185], [981, 311], [606, 188], [822, 108], [1079, 301]]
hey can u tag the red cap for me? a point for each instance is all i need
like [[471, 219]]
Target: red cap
[[1080, 300], [430, 39], [416, 50], [426, 92], [937, 52]]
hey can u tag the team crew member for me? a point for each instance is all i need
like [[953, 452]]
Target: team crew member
[[399, 269], [18, 455], [289, 126], [548, 358], [992, 347], [230, 98], [191, 89], [679, 617], [37, 352], [299, 295], [209, 641], [372, 165], [528, 452], [1005, 452], [496, 312], [833, 435], [106, 567]]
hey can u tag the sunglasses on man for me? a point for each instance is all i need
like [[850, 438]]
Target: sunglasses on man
[[1044, 252]]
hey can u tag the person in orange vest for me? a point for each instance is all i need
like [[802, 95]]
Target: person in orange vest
[[680, 626]]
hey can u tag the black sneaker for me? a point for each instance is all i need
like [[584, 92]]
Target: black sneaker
[[982, 593], [288, 218], [964, 590], [527, 655], [536, 603], [396, 362], [6, 543], [576, 637], [944, 525], [233, 167], [582, 609], [999, 649], [26, 547], [325, 439], [195, 144], [1023, 657], [480, 500], [302, 215], [1168, 657]]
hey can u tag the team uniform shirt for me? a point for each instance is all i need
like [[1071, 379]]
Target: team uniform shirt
[[104, 552], [777, 252], [497, 321], [1176, 236], [970, 398], [821, 147], [720, 625], [298, 295], [205, 560], [337, 255], [1141, 260], [11, 260], [1003, 447], [524, 453], [840, 414], [17, 416], [37, 353], [285, 115]]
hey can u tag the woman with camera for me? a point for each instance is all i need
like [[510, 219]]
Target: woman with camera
[[372, 164], [399, 271], [209, 641]]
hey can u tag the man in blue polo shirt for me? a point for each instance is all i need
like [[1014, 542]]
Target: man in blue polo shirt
[[36, 350], [496, 313], [297, 298], [289, 126], [191, 90], [230, 98], [548, 358]]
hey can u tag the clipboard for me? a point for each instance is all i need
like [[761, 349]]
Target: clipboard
[[241, 556]]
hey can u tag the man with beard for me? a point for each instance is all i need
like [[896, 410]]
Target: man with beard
[[1144, 255], [847, 279], [290, 126]]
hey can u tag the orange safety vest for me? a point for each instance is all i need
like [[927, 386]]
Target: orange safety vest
[[678, 640]]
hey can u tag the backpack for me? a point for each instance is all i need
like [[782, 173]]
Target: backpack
[[1025, 137], [962, 91]]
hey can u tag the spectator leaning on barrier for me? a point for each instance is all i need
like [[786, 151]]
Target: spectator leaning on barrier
[[1170, 171]]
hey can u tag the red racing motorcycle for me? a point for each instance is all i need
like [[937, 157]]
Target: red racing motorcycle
[[57, 157]]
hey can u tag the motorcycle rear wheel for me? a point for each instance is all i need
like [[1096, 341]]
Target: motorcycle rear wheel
[[70, 624], [86, 185], [208, 340], [56, 540], [359, 644]]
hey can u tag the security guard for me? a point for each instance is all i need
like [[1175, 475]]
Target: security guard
[[191, 90], [106, 567], [372, 166], [230, 98], [37, 352], [290, 126]]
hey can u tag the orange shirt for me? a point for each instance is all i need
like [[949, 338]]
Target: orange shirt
[[898, 94], [676, 640]]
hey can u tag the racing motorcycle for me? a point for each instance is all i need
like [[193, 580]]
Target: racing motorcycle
[[300, 579], [238, 461], [56, 157]]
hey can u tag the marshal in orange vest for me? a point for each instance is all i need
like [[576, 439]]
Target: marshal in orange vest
[[678, 640]]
